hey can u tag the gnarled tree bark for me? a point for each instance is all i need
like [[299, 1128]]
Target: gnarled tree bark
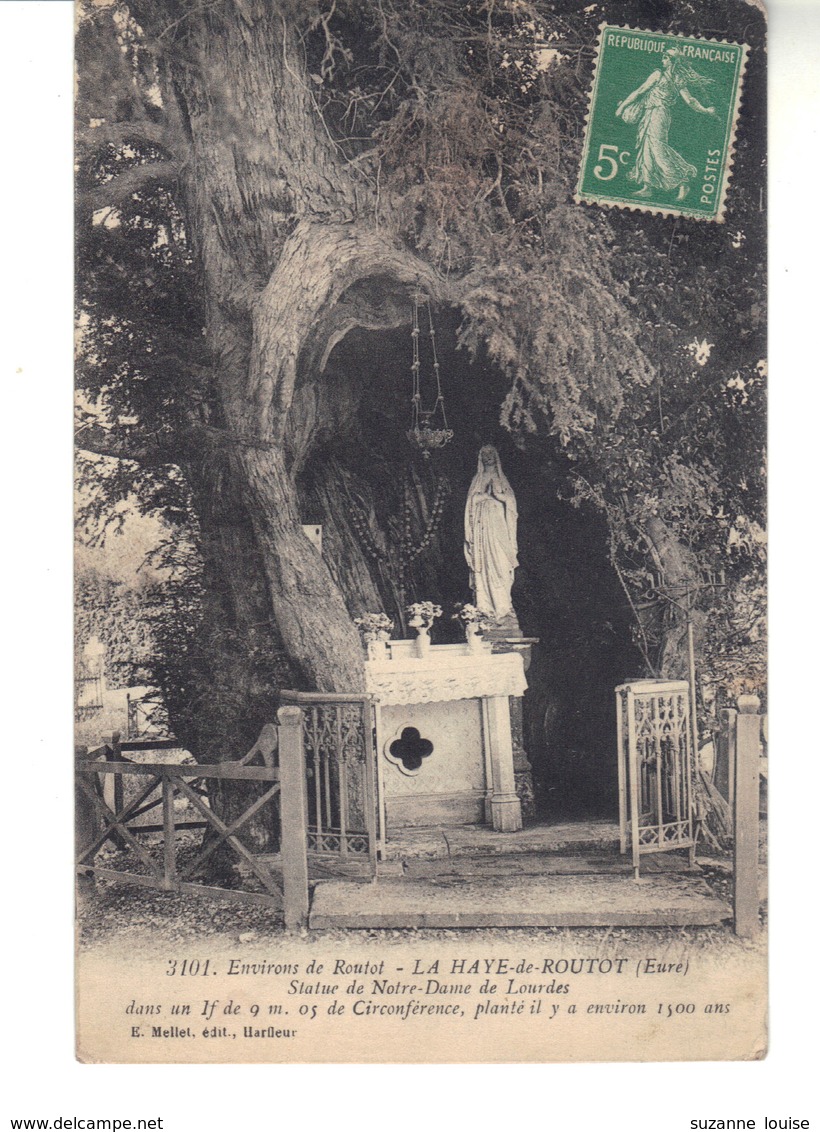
[[281, 227]]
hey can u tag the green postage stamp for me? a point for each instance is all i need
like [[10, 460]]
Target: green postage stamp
[[661, 123]]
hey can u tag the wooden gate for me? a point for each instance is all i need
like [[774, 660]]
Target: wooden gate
[[655, 767], [340, 775]]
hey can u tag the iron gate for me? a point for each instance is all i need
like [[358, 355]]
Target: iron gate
[[340, 773], [655, 767]]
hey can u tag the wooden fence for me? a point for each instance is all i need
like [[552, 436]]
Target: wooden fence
[[173, 780], [104, 815]]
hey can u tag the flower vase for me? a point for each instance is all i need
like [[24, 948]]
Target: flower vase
[[423, 641], [473, 637], [377, 650]]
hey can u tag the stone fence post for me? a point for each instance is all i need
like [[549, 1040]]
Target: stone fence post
[[747, 817], [293, 816], [86, 823]]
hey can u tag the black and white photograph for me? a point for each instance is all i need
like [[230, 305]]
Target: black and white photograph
[[420, 654]]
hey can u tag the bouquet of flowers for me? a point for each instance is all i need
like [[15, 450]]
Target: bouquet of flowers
[[423, 614], [374, 626], [471, 615]]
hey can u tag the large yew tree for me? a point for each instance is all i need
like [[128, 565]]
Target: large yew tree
[[263, 183]]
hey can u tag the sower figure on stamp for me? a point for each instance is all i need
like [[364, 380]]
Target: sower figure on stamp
[[657, 164], [490, 537]]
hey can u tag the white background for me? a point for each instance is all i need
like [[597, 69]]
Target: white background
[[36, 1008]]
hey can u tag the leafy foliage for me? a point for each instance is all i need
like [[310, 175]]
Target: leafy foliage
[[112, 611], [219, 684], [460, 125], [458, 112]]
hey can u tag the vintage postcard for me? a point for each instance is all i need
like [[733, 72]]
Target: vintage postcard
[[420, 576]]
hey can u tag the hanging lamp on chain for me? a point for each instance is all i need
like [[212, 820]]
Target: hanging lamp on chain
[[428, 429]]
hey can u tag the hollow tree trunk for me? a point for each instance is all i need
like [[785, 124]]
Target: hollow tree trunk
[[282, 228], [238, 607], [310, 611], [318, 264], [355, 573], [237, 619]]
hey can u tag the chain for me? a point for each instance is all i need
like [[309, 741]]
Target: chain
[[361, 526], [416, 366], [436, 368], [422, 420], [408, 555]]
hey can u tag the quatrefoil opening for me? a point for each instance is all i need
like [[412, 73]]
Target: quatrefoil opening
[[410, 749]]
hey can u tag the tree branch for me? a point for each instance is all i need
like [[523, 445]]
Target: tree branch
[[318, 264], [127, 183], [139, 449], [118, 133], [350, 314]]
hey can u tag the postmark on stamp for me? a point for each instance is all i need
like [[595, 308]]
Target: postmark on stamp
[[661, 124]]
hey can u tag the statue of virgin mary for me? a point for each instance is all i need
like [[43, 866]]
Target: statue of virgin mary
[[490, 536]]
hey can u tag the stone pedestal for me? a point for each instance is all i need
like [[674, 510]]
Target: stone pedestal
[[505, 806], [444, 735], [505, 642]]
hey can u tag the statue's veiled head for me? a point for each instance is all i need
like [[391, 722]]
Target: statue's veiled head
[[488, 459]]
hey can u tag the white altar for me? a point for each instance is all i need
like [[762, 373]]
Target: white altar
[[445, 753]]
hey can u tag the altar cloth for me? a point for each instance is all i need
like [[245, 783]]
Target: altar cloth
[[444, 674]]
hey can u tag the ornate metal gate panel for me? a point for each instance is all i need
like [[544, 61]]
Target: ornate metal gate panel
[[655, 767], [340, 770]]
